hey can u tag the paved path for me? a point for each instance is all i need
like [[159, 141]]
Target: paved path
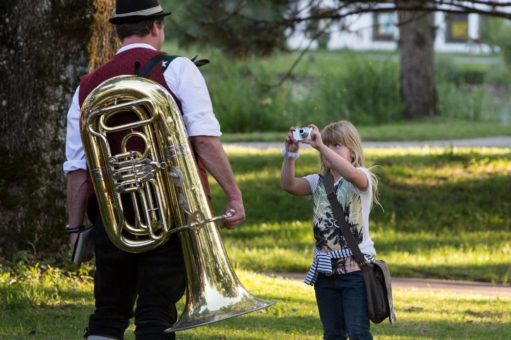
[[497, 141], [461, 287]]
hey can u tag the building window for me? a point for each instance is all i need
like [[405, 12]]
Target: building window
[[457, 27], [384, 28]]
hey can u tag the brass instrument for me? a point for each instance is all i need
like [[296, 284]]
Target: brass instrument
[[161, 182]]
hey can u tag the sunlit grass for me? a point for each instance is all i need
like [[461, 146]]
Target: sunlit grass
[[446, 212], [446, 215], [421, 314]]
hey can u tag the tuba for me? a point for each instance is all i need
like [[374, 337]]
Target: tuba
[[151, 168]]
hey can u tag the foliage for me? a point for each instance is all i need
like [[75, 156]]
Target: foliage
[[328, 86], [496, 33], [473, 90], [367, 92], [469, 103], [239, 28], [364, 92], [245, 28], [242, 99]]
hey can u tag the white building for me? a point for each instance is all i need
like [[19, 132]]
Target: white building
[[378, 31]]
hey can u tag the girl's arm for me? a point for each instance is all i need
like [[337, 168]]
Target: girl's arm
[[338, 164], [288, 181], [344, 168]]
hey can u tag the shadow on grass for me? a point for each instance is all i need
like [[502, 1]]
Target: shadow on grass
[[468, 328], [424, 242], [18, 296], [255, 327], [495, 273], [474, 204]]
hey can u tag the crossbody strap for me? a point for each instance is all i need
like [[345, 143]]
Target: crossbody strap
[[338, 212]]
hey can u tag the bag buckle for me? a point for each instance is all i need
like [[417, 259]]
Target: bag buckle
[[363, 264]]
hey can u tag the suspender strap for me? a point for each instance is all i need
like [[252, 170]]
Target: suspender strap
[[199, 62], [338, 212], [167, 59], [155, 61]]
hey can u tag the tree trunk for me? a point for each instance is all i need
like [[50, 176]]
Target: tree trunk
[[416, 56], [45, 46]]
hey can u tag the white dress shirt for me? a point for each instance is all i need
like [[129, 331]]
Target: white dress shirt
[[187, 84]]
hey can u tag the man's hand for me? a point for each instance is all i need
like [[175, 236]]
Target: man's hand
[[239, 214], [210, 151]]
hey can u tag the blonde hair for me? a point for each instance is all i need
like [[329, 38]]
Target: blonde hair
[[345, 133]]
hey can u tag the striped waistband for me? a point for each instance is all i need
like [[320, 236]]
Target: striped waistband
[[323, 263]]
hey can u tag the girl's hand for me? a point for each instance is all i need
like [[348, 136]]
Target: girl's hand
[[316, 141], [291, 144]]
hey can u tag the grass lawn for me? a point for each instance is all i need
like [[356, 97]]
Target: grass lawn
[[429, 129], [54, 306], [446, 213]]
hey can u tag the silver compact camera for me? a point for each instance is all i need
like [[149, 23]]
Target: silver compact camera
[[302, 133]]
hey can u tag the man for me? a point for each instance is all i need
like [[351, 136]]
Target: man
[[154, 279]]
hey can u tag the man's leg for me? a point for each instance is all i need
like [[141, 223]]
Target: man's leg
[[115, 282], [161, 284]]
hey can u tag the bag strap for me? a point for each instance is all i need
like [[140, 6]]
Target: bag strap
[[338, 212], [152, 63]]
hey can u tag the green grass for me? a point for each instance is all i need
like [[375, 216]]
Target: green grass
[[446, 213], [43, 302], [429, 129], [63, 313]]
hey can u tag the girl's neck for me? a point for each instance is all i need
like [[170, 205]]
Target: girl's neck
[[335, 175]]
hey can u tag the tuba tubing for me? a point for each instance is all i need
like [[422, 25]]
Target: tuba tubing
[[160, 181]]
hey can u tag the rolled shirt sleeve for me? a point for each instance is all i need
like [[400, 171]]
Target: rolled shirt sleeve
[[189, 86], [75, 156]]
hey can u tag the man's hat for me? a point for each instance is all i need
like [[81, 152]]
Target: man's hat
[[128, 11]]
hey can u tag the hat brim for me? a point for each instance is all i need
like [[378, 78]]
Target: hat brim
[[117, 20]]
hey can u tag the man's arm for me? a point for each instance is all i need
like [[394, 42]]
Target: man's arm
[[76, 199], [210, 151]]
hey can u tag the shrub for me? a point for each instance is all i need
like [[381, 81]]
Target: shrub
[[366, 93], [448, 70], [244, 100], [329, 86], [467, 103], [242, 97]]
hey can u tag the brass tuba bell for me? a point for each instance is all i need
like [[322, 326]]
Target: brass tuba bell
[[154, 171]]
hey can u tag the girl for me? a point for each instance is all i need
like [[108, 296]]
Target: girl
[[337, 278]]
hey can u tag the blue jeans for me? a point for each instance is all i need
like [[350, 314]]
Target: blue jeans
[[342, 306]]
